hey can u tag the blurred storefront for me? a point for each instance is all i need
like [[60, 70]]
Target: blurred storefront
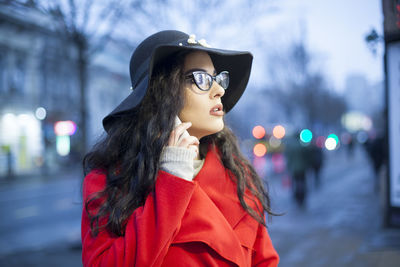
[[21, 146], [39, 87], [29, 70], [391, 10]]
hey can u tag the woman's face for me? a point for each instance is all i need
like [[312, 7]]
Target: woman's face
[[202, 108]]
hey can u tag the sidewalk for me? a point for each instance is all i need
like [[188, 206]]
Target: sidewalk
[[38, 178], [62, 253], [60, 256], [341, 225]]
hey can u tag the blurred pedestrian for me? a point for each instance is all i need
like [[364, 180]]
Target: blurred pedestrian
[[164, 193], [377, 151], [350, 147], [317, 159], [298, 162]]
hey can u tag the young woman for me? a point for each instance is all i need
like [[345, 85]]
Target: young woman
[[163, 193]]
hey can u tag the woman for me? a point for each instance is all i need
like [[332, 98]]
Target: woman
[[155, 196]]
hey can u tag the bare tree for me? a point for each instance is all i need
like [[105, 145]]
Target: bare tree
[[373, 40], [302, 90], [227, 23]]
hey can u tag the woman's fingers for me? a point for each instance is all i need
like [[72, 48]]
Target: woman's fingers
[[180, 137], [189, 141], [176, 134]]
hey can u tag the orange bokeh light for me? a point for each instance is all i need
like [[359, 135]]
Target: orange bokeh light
[[279, 131], [258, 132], [260, 150]]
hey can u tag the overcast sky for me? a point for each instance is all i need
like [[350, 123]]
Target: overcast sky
[[336, 30]]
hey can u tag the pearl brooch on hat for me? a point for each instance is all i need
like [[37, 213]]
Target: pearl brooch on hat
[[192, 40]]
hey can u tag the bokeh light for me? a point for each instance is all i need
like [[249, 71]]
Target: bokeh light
[[355, 121], [63, 145], [24, 119], [334, 136], [278, 162], [259, 150], [64, 128], [13, 131], [320, 142], [274, 142], [306, 136], [330, 143], [279, 131], [362, 137], [40, 113], [345, 138], [258, 132]]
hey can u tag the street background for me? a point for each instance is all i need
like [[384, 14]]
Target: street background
[[313, 119]]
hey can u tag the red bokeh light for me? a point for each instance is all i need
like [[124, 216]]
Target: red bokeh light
[[320, 142], [258, 132]]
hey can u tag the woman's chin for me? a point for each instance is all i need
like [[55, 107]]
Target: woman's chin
[[215, 129], [206, 131]]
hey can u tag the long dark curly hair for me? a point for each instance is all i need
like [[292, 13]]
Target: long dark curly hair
[[129, 154]]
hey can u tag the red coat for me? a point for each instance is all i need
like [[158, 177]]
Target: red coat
[[182, 223]]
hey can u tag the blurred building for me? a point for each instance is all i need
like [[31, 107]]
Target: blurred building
[[39, 87], [363, 96], [108, 85], [391, 192]]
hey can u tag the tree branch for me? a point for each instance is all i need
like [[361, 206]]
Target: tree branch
[[86, 12], [73, 21]]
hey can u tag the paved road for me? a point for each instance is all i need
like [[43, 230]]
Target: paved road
[[40, 212]]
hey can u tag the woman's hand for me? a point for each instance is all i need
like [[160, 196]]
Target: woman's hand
[[177, 157], [179, 139]]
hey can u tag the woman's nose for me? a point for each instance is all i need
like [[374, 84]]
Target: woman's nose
[[216, 90]]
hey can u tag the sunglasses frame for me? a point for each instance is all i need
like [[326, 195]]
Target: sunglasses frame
[[213, 78]]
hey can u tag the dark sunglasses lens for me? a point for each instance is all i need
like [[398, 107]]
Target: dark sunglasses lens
[[203, 80]]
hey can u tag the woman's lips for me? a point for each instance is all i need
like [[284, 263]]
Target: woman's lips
[[217, 110]]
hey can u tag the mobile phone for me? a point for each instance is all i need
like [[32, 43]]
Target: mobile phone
[[177, 122]]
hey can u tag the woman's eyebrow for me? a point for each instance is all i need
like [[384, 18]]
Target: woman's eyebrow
[[198, 69]]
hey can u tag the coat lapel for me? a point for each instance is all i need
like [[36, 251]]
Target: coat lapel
[[214, 180], [214, 214]]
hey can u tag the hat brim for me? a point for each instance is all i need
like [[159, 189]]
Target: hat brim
[[237, 63]]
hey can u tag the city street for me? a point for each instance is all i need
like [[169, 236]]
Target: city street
[[40, 215], [340, 225], [302, 86]]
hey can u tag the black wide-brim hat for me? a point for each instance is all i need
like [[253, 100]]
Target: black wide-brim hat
[[158, 47]]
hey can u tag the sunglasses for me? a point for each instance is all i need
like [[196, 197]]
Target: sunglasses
[[204, 81]]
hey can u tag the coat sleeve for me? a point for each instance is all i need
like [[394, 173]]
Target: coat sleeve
[[149, 230], [264, 253]]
